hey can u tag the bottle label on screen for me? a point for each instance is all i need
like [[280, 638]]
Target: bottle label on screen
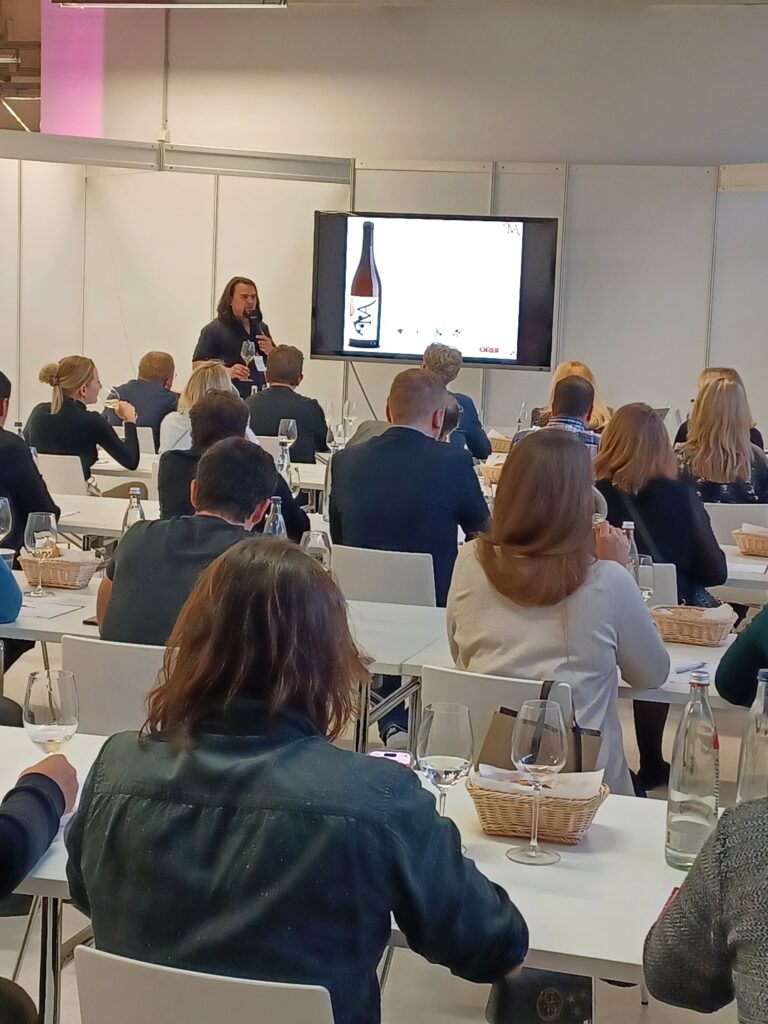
[[363, 320]]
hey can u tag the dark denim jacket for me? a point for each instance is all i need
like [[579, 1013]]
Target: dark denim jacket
[[265, 852]]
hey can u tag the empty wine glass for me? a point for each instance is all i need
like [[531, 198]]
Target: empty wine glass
[[40, 542], [350, 416], [317, 543], [50, 712], [287, 432], [248, 352], [539, 750], [444, 746], [645, 578], [6, 519]]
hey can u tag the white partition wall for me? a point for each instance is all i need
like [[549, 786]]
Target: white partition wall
[[636, 278], [148, 268], [9, 277]]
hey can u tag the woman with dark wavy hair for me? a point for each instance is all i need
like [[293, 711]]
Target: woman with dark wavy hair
[[234, 838]]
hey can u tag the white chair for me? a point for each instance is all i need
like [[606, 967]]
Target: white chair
[[112, 681], [152, 486], [62, 473], [115, 990], [270, 445], [391, 577], [146, 440], [484, 695], [727, 518], [662, 578]]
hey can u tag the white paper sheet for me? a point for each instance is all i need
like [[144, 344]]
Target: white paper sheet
[[39, 608], [752, 568]]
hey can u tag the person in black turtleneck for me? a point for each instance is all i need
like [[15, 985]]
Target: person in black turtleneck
[[238, 319], [64, 426]]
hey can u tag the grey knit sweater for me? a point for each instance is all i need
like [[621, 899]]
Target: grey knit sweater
[[712, 943]]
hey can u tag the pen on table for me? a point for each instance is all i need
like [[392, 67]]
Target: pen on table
[[691, 667]]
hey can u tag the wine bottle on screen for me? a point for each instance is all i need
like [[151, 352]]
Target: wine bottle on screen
[[365, 297]]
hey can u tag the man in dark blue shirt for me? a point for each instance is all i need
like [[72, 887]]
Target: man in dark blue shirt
[[150, 394]]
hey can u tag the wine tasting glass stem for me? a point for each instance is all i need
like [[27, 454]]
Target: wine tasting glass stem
[[441, 802], [534, 845], [38, 590]]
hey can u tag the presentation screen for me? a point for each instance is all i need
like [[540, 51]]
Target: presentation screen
[[387, 285]]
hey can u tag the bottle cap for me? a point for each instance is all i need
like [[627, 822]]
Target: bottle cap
[[135, 492], [276, 499], [627, 525], [762, 675], [700, 678]]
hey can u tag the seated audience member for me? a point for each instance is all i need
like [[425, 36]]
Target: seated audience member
[[20, 480], [736, 677], [571, 410], [157, 563], [218, 415], [719, 373], [445, 361], [600, 414], [530, 599], [176, 427], [150, 393], [64, 426], [710, 945], [636, 473], [30, 815], [281, 401], [718, 457], [404, 491], [366, 430], [257, 848]]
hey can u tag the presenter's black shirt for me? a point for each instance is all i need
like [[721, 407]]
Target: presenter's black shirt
[[223, 339]]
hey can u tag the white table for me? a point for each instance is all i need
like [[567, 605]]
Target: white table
[[105, 465], [83, 515], [311, 475], [589, 914], [745, 571]]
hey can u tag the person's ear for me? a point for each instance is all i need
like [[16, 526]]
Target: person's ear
[[168, 383], [437, 420], [257, 515], [301, 378], [389, 414], [193, 494], [4, 403]]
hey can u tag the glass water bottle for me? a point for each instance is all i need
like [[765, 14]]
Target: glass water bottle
[[753, 757]]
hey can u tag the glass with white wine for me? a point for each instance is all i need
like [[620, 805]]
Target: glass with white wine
[[51, 711], [287, 432], [40, 536], [444, 746], [112, 400]]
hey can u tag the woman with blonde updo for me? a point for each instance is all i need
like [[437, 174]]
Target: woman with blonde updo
[[601, 413], [64, 426]]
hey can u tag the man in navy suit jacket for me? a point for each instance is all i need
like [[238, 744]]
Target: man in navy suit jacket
[[405, 490], [445, 361]]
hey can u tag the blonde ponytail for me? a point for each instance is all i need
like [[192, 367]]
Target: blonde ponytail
[[66, 378]]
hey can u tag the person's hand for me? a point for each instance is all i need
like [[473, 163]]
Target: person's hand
[[265, 344], [59, 770], [611, 544], [238, 372], [126, 412]]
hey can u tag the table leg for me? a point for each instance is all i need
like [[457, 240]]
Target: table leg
[[362, 723], [414, 716], [44, 649], [50, 962]]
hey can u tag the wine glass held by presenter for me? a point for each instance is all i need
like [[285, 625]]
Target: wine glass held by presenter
[[40, 543], [539, 751], [248, 352], [287, 432], [6, 519], [444, 746], [50, 712]]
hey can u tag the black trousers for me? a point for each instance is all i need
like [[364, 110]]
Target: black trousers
[[15, 1005]]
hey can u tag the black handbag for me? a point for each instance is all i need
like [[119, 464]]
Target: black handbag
[[541, 996]]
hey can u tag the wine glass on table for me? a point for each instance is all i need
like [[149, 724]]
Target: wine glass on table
[[50, 714], [6, 519], [317, 544], [40, 543], [645, 578], [287, 432], [539, 751], [444, 746], [350, 416]]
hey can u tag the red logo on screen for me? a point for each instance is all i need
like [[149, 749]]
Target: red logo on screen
[[489, 350]]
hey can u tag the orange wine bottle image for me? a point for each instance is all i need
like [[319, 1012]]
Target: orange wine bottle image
[[365, 297]]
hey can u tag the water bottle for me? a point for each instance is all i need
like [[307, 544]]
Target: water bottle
[[753, 757], [275, 524], [134, 513], [633, 559], [694, 779]]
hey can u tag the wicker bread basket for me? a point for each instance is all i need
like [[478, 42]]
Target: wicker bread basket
[[491, 474], [687, 625], [752, 543], [500, 444], [511, 814], [64, 573]]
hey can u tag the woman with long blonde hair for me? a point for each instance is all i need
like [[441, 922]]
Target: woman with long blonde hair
[[539, 596], [711, 373], [64, 426], [601, 414], [176, 427], [718, 457], [636, 472]]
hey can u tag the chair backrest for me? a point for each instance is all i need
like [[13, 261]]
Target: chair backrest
[[662, 578], [152, 487], [115, 990], [112, 681], [484, 695], [392, 577], [62, 473], [270, 445], [146, 440], [727, 518]]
